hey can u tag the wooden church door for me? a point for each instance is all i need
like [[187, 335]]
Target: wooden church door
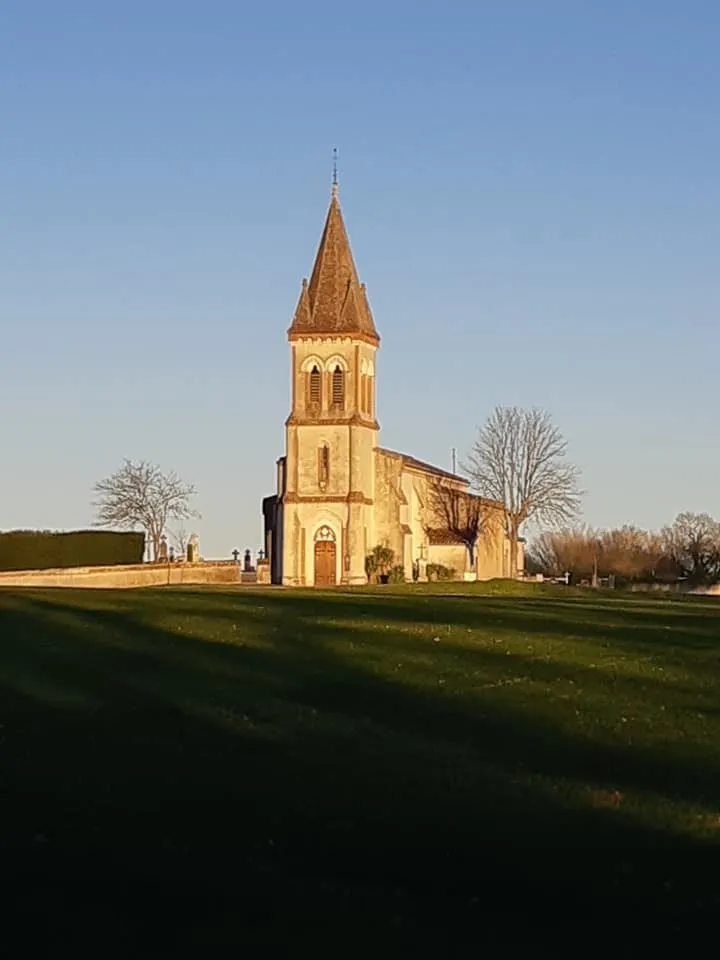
[[325, 558]]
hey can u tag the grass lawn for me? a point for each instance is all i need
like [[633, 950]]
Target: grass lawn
[[196, 769]]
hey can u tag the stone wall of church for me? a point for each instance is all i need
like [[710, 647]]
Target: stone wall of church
[[305, 522], [311, 439], [330, 474], [388, 499], [493, 551], [452, 555], [326, 353], [330, 482], [404, 501]]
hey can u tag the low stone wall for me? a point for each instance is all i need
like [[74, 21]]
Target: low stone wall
[[657, 588], [263, 572], [132, 575], [712, 591]]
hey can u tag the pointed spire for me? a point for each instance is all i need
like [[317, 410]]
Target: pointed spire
[[303, 313], [334, 303]]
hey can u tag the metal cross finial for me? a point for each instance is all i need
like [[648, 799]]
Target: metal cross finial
[[335, 173]]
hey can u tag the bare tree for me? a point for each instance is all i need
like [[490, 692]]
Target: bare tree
[[693, 542], [519, 459], [556, 551], [627, 553], [180, 538], [630, 553], [463, 514], [140, 495]]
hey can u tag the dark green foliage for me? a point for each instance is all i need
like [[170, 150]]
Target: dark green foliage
[[438, 571], [396, 574], [45, 550], [379, 562]]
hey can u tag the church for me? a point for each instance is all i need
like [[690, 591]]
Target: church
[[339, 493]]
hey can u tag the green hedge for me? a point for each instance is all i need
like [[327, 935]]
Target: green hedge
[[43, 549], [438, 571]]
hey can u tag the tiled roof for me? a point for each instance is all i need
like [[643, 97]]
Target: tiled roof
[[414, 464], [334, 301], [437, 537]]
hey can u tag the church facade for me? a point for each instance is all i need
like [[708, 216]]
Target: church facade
[[339, 493]]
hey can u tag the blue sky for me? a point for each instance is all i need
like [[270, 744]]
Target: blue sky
[[535, 184]]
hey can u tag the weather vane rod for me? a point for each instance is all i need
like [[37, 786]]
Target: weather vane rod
[[335, 171]]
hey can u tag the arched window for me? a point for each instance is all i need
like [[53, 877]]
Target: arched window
[[369, 389], [315, 387], [338, 387], [323, 465], [366, 397]]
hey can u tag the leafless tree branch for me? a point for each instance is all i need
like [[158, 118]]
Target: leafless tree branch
[[140, 495], [687, 549], [693, 542], [462, 514], [179, 538], [519, 460]]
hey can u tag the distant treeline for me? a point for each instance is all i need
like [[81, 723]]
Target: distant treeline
[[688, 549], [43, 549]]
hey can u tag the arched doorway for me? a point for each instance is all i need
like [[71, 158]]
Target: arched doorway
[[325, 558]]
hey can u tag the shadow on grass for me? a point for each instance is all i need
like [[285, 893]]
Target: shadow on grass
[[223, 750]]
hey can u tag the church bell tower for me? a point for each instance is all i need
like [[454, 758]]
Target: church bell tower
[[327, 487]]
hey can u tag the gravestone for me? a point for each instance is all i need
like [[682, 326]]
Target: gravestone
[[193, 549], [162, 556]]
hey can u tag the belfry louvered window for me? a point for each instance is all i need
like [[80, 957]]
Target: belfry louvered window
[[338, 387], [315, 388]]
